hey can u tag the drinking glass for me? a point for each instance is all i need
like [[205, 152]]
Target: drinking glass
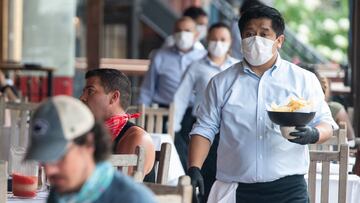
[[24, 174]]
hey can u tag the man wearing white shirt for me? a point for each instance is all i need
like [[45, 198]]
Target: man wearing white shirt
[[201, 19], [253, 156], [169, 64], [194, 81]]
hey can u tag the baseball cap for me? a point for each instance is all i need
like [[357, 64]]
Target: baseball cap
[[54, 124]]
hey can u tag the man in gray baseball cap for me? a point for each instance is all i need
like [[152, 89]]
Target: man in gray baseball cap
[[73, 149]]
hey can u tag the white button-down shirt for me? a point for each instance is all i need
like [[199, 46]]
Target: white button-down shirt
[[164, 75], [251, 147], [195, 81]]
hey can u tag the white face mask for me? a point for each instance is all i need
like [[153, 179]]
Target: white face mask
[[202, 29], [257, 50], [184, 40], [218, 48]]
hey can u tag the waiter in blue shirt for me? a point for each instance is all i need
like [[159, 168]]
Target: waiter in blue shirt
[[255, 162], [169, 64]]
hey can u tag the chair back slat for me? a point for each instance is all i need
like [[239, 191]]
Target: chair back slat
[[182, 193], [325, 174], [150, 121], [159, 123], [312, 181], [163, 159], [3, 181], [125, 169], [125, 161], [154, 120], [325, 158], [343, 172]]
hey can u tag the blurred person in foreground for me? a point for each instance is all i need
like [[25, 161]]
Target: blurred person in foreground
[[73, 149], [169, 64], [107, 93], [201, 19], [255, 163], [195, 81]]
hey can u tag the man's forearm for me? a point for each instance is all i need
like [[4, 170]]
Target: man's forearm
[[325, 132], [198, 150]]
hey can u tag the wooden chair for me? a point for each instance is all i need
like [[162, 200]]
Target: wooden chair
[[325, 157], [182, 193], [20, 113], [162, 163], [3, 181], [134, 162], [137, 109], [154, 120]]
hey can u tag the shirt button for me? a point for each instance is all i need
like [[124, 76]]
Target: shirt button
[[260, 137], [260, 156], [260, 118]]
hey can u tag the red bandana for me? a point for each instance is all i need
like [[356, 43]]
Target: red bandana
[[116, 123]]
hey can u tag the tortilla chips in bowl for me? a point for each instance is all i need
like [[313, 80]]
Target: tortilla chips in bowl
[[297, 112]]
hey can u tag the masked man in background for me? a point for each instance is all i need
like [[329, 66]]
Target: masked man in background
[[195, 81], [255, 163], [201, 19], [169, 64]]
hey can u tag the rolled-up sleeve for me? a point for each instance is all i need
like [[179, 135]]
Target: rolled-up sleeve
[[209, 113]]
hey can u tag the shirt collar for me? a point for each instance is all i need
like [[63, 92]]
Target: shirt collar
[[227, 63], [175, 49], [276, 67]]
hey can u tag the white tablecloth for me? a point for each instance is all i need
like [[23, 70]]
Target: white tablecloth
[[175, 170], [352, 193]]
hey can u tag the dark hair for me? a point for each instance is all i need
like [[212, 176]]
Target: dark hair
[[194, 12], [112, 80], [312, 68], [247, 4], [101, 142], [219, 25], [277, 21]]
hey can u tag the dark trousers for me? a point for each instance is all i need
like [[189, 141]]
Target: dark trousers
[[290, 189], [182, 137]]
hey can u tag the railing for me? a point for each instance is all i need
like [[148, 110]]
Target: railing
[[292, 46]]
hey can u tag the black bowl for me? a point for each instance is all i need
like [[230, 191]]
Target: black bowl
[[291, 118]]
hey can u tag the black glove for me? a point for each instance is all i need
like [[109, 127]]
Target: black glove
[[196, 181], [305, 135]]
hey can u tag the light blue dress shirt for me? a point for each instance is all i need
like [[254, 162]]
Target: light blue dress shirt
[[251, 148], [195, 81], [164, 75]]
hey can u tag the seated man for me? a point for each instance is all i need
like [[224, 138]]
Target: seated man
[[107, 94], [73, 148]]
